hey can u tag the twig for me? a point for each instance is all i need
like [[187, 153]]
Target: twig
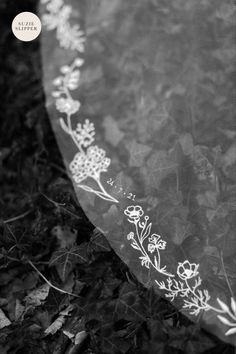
[[61, 205], [21, 216], [225, 274], [48, 282]]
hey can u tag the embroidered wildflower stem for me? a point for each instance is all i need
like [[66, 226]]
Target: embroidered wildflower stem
[[196, 299], [186, 284], [90, 160], [142, 232], [156, 263]]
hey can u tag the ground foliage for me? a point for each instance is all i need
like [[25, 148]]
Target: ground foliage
[[44, 231]]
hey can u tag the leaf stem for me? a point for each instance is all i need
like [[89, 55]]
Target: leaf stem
[[49, 283], [21, 216]]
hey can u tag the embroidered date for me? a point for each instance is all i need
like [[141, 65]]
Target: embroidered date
[[120, 190]]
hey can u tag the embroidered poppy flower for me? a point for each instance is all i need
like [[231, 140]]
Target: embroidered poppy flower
[[187, 270]]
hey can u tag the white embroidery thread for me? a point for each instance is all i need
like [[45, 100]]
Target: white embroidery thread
[[90, 161], [142, 231], [57, 18]]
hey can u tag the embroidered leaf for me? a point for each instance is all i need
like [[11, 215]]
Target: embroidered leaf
[[147, 232], [225, 321], [134, 245], [66, 259], [233, 305], [145, 261], [223, 305], [230, 332], [157, 265]]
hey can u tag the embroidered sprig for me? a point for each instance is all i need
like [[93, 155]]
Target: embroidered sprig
[[151, 255], [186, 284], [90, 161], [58, 18], [196, 299]]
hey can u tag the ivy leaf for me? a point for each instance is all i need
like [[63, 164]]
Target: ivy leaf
[[98, 242], [129, 305], [4, 321], [113, 134], [65, 259], [138, 152], [159, 166], [112, 342], [181, 230], [208, 199], [202, 165]]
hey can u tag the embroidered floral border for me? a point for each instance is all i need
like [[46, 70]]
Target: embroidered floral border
[[90, 161]]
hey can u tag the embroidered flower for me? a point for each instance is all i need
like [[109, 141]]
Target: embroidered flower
[[130, 236], [71, 80], [187, 270], [134, 212], [70, 37], [156, 243], [67, 105], [57, 15], [89, 164], [78, 62], [84, 133]]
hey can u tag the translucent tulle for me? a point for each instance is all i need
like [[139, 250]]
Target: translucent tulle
[[141, 97]]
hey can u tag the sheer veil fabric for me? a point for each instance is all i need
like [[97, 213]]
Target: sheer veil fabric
[[140, 97]]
